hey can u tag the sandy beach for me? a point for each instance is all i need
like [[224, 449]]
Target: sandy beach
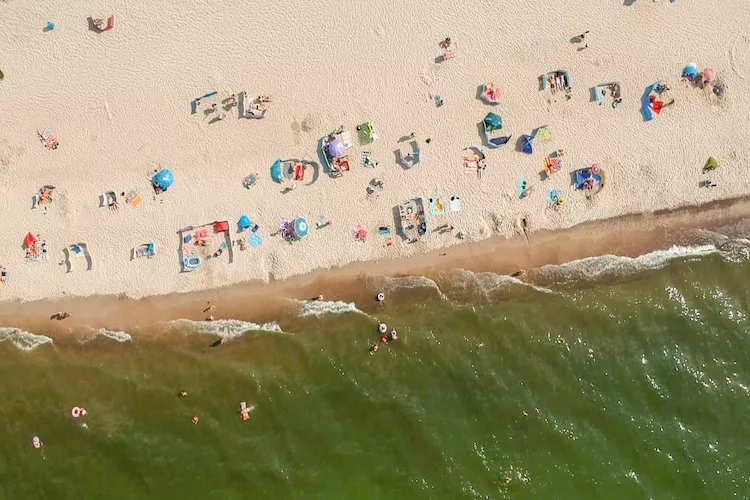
[[119, 105]]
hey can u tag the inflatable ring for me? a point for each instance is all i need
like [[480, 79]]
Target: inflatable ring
[[75, 412], [382, 328], [381, 297], [394, 334]]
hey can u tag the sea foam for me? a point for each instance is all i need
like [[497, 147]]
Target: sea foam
[[115, 335], [323, 307], [23, 340], [226, 328], [617, 265]]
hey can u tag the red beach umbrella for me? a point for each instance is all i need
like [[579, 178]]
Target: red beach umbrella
[[29, 240]]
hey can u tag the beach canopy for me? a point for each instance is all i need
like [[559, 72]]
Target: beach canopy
[[29, 240], [244, 222], [336, 148], [493, 121], [690, 72], [163, 179], [526, 146], [301, 227], [709, 74], [711, 164], [276, 174], [543, 133], [646, 103]]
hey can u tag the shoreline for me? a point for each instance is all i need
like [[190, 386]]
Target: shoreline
[[627, 236]]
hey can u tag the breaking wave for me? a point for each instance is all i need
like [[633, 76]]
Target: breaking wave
[[486, 282], [226, 328], [592, 268], [23, 340], [115, 335], [323, 307]]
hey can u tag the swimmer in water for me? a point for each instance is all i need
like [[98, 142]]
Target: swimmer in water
[[394, 335], [183, 394], [374, 348], [195, 420]]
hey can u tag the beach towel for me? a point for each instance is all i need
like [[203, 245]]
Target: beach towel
[[599, 94], [255, 240], [437, 207], [455, 203], [471, 165], [522, 187]]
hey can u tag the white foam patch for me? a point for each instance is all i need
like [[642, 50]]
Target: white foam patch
[[22, 339], [115, 335], [487, 282], [324, 307], [389, 284], [608, 265], [226, 328]]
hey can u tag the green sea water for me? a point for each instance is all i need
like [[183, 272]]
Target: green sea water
[[630, 382]]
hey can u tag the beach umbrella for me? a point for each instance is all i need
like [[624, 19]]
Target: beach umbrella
[[336, 148], [301, 227], [709, 74], [690, 72], [163, 179], [526, 146], [276, 174], [76, 249], [493, 121], [29, 240], [243, 223]]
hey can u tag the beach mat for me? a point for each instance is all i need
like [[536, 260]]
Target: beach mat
[[455, 203], [437, 206]]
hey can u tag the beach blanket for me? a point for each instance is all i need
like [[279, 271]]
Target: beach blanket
[[522, 187], [455, 203], [437, 206]]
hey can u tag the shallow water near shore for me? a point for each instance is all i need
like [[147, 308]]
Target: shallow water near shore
[[630, 383]]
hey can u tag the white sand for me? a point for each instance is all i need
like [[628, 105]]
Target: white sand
[[119, 103]]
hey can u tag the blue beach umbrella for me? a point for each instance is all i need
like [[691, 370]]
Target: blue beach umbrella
[[526, 147], [276, 174], [243, 223], [163, 179], [690, 72], [300, 227]]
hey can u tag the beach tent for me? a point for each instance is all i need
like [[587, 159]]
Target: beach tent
[[29, 240], [491, 94], [646, 103], [276, 173], [526, 145], [301, 227], [492, 122], [222, 226], [711, 164], [543, 133], [586, 174], [243, 223], [690, 72], [163, 179]]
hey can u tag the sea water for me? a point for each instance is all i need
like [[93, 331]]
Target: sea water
[[609, 378]]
